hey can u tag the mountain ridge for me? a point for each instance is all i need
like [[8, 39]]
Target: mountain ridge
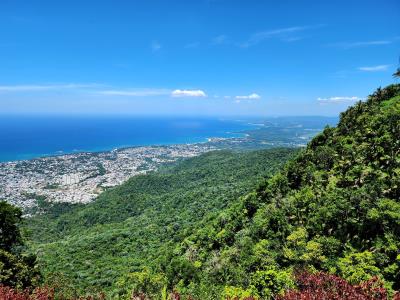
[[333, 208]]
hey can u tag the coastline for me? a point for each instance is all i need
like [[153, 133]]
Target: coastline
[[103, 136], [118, 148], [81, 177]]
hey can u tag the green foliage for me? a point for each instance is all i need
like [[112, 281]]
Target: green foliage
[[397, 73], [357, 267], [271, 282], [237, 293], [10, 218], [334, 207], [136, 283], [139, 223], [212, 232], [16, 270]]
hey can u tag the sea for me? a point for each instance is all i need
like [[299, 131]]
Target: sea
[[28, 137]]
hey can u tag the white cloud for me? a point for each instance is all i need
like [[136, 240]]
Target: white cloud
[[135, 92], [155, 46], [374, 68], [252, 96], [339, 99], [292, 39], [348, 45], [47, 87], [188, 93], [219, 40], [287, 34]]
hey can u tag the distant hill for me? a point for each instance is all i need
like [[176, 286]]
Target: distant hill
[[334, 208]]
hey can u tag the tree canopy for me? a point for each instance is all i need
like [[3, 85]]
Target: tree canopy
[[333, 208], [10, 218], [16, 270]]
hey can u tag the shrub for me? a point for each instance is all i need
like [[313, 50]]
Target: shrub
[[326, 286]]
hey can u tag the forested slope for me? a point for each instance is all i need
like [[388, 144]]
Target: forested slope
[[334, 208], [214, 227], [91, 247]]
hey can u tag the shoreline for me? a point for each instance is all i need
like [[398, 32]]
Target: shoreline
[[82, 177], [117, 148], [39, 137], [79, 177], [25, 157]]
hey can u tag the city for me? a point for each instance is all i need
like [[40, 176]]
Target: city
[[81, 177]]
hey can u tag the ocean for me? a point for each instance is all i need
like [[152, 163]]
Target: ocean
[[27, 137]]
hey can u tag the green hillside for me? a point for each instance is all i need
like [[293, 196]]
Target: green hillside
[[335, 208], [90, 247], [220, 227]]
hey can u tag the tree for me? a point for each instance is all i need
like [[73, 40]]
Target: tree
[[10, 217], [397, 73], [142, 284], [16, 270]]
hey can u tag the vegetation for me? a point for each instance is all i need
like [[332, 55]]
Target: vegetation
[[326, 226], [334, 208], [39, 293], [16, 270], [397, 73], [310, 287], [118, 241], [325, 286]]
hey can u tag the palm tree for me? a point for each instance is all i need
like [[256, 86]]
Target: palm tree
[[397, 73]]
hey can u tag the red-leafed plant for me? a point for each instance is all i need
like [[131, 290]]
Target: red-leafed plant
[[7, 293], [323, 286], [41, 293]]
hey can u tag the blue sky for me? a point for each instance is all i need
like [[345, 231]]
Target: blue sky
[[205, 57]]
